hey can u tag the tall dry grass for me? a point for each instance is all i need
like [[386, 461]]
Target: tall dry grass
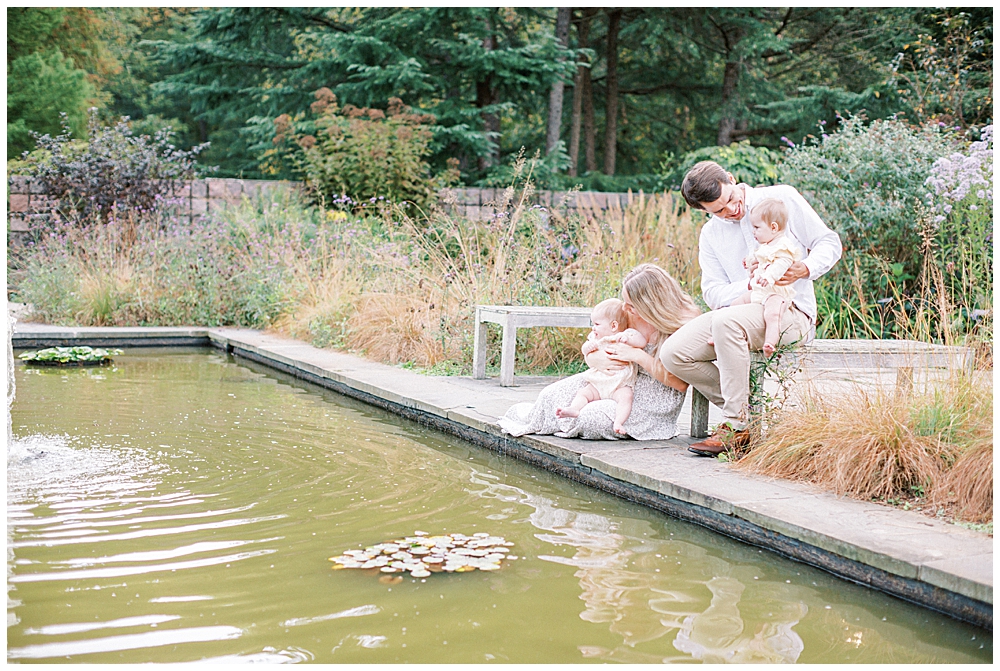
[[933, 441], [406, 287]]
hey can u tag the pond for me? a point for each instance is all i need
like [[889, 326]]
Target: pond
[[182, 505]]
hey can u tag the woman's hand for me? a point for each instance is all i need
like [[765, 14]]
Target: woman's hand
[[599, 360], [625, 354]]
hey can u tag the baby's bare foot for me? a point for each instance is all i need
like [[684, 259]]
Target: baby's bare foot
[[619, 430], [768, 349], [711, 343], [566, 412]]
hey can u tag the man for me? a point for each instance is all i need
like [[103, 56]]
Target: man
[[712, 351]]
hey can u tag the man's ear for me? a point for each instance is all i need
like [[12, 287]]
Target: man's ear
[[732, 180]]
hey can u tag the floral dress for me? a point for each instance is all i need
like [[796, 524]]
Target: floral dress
[[655, 408]]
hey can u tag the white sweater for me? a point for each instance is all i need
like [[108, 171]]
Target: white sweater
[[724, 244]]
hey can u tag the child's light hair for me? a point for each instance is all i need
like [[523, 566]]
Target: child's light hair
[[771, 209], [613, 309]]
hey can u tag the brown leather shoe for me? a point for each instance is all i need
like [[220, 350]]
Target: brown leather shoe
[[723, 440]]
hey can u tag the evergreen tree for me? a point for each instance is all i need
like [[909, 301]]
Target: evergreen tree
[[469, 67], [42, 82]]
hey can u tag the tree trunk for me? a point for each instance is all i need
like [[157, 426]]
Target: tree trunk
[[589, 131], [485, 96], [558, 86], [582, 35], [727, 124], [611, 108]]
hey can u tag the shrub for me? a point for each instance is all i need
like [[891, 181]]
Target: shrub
[[113, 169], [868, 183], [915, 215], [549, 173], [962, 203], [364, 154], [748, 164]]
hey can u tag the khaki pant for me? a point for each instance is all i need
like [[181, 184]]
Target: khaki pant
[[722, 372]]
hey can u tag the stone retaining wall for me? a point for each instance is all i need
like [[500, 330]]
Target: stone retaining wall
[[28, 202], [480, 204]]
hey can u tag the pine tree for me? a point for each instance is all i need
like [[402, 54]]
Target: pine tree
[[466, 66]]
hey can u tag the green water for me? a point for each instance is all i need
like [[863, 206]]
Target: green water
[[182, 505]]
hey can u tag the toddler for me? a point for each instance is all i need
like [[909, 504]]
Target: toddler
[[610, 324], [777, 252]]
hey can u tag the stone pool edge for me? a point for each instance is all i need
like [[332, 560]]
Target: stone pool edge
[[625, 469]]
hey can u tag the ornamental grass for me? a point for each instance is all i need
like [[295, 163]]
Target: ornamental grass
[[396, 286], [932, 444]]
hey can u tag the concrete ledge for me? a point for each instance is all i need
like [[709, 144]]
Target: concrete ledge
[[31, 336], [905, 554]]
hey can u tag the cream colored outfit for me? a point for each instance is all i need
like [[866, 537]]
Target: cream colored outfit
[[722, 372], [773, 259], [607, 381]]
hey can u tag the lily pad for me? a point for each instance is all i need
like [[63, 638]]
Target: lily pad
[[70, 356], [422, 554]]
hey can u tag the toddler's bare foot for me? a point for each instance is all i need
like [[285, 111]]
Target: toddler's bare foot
[[768, 349], [566, 412], [711, 343], [619, 430]]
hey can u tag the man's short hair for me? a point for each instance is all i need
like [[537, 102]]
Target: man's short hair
[[703, 183], [771, 209]]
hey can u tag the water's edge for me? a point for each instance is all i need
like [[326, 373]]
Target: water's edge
[[951, 603]]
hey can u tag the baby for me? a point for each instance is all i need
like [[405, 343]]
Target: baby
[[777, 252], [610, 325]]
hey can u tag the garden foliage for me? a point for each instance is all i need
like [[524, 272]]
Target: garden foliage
[[756, 166], [870, 182], [365, 154], [113, 169]]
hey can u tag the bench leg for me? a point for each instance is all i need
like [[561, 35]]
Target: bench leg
[[507, 355], [699, 414], [479, 350]]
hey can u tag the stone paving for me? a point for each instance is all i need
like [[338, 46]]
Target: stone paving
[[917, 558]]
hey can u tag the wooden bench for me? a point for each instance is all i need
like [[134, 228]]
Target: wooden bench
[[903, 356], [510, 318]]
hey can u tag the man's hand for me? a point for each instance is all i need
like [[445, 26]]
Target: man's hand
[[796, 271]]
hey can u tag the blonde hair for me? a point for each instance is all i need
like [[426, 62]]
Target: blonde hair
[[613, 309], [771, 209], [658, 298]]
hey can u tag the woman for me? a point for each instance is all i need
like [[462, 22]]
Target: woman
[[656, 306]]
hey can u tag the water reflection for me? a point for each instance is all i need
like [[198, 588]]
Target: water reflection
[[718, 634], [190, 519], [621, 587], [153, 639]]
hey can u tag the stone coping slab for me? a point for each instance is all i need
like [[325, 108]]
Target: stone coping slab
[[939, 565]]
